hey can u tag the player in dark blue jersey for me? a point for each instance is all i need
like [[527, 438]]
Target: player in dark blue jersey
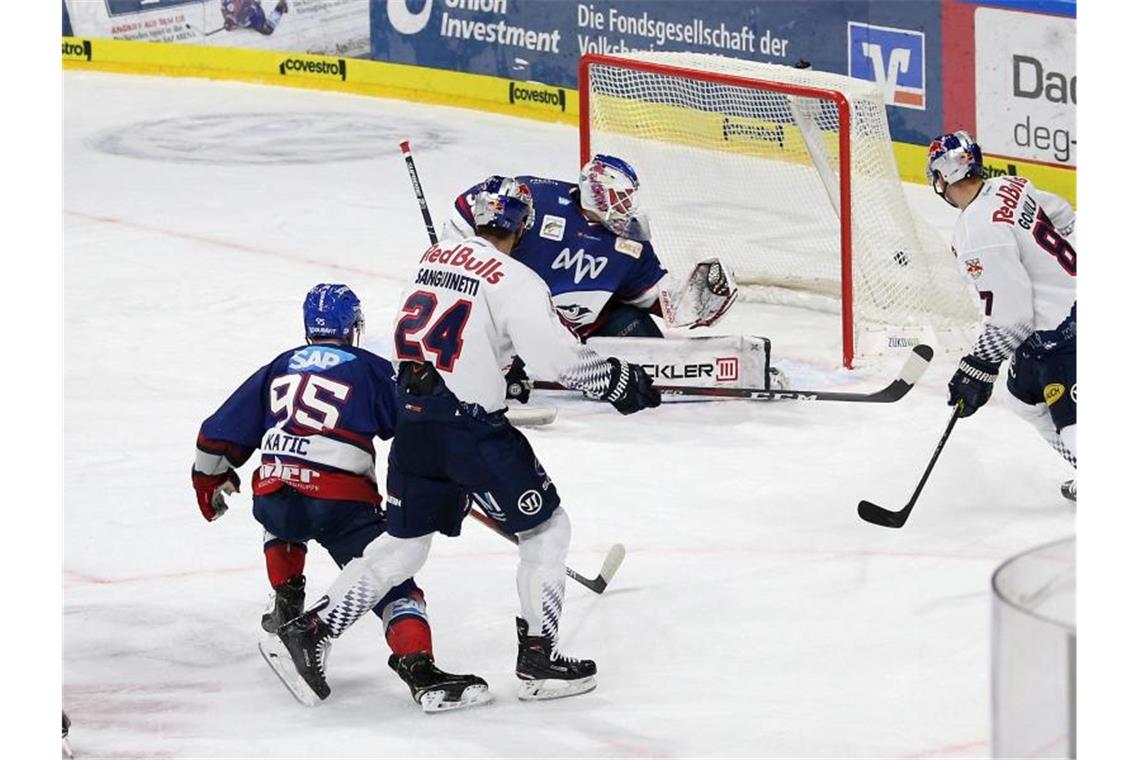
[[592, 249], [313, 412]]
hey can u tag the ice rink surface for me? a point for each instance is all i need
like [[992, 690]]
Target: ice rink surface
[[755, 614]]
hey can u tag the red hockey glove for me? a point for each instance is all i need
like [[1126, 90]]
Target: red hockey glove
[[212, 490]]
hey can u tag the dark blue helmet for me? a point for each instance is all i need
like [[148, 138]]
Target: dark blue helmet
[[332, 311], [504, 204]]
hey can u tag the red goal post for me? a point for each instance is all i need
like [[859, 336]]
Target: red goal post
[[833, 228]]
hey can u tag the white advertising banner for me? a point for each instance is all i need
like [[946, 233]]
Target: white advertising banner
[[1026, 85], [324, 27]]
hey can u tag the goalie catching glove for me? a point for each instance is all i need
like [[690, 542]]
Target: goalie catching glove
[[630, 388], [701, 299]]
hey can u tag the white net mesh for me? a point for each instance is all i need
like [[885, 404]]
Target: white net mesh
[[750, 174]]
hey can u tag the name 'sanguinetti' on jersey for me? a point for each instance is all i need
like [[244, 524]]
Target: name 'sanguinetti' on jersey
[[460, 256]]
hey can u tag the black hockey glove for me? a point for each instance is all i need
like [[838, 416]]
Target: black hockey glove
[[630, 389], [972, 384], [518, 384]]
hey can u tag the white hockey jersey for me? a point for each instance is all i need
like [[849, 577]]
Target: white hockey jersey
[[1024, 269], [471, 309]]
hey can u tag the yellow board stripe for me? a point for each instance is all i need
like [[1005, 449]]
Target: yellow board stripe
[[416, 83]]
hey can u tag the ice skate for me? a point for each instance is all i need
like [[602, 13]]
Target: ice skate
[[1069, 489], [547, 674], [298, 655], [288, 603], [433, 689]]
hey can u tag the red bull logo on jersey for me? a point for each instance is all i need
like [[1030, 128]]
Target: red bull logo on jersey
[[1009, 192], [461, 256]]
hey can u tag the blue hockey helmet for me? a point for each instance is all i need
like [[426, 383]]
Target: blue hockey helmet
[[332, 311], [952, 157], [608, 188], [503, 203]]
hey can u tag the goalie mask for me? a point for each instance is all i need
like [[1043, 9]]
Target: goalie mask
[[503, 203], [952, 157], [332, 311], [608, 189]]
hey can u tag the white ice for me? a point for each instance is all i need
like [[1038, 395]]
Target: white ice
[[755, 614]]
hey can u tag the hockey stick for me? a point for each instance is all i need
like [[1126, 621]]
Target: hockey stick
[[911, 371], [873, 513], [610, 564], [406, 149]]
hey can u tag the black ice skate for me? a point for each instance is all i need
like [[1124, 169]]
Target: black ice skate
[[1069, 489], [435, 690], [66, 728], [298, 655], [547, 674], [288, 603]]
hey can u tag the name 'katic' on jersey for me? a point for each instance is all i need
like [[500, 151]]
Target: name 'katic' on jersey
[[461, 256]]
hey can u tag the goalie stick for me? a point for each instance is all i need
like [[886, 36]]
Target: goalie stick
[[598, 584], [873, 513], [911, 371]]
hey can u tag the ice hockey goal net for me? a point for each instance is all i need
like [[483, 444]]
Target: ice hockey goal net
[[789, 177]]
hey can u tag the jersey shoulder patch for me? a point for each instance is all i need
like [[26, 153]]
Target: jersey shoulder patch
[[552, 227], [628, 247]]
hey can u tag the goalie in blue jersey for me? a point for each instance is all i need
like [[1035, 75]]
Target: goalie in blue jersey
[[591, 246]]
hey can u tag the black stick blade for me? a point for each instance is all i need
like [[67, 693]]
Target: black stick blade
[[875, 514]]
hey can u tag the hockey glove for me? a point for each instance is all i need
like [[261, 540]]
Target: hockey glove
[[212, 490], [972, 384], [630, 389], [518, 384]]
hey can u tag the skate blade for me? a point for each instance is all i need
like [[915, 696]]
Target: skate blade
[[67, 748], [278, 659], [555, 688], [437, 701]]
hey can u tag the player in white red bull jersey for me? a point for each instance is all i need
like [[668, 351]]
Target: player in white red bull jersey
[[1024, 269], [470, 309]]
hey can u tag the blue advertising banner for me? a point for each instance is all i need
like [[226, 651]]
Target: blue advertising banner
[[897, 44]]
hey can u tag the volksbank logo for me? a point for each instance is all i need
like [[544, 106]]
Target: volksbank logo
[[77, 49], [895, 58], [336, 68], [524, 94]]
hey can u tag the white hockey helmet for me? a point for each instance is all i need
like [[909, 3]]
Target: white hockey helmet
[[952, 157], [608, 189]]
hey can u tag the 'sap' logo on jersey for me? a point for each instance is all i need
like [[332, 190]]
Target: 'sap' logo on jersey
[[583, 264], [895, 58]]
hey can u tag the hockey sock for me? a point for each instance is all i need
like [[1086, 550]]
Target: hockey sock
[[1038, 416], [1067, 439], [283, 561], [406, 625], [541, 575], [364, 581]]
